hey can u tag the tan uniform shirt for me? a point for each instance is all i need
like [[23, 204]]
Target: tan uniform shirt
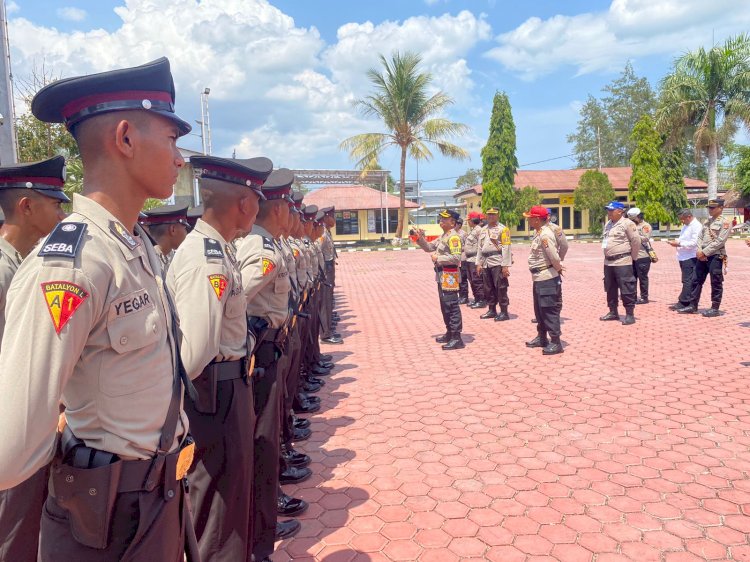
[[644, 235], [93, 332], [321, 257], [713, 237], [326, 245], [265, 278], [206, 286], [462, 234], [165, 259], [493, 246], [301, 265], [471, 244], [312, 259], [10, 259], [562, 240], [291, 266], [544, 257], [620, 237], [447, 248]]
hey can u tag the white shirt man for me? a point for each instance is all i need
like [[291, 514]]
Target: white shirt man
[[687, 246]]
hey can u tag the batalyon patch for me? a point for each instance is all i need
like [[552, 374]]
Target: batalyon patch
[[63, 299], [295, 251], [218, 283], [268, 266]]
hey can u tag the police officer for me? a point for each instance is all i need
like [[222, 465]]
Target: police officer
[[493, 261], [470, 249], [329, 258], [265, 281], [562, 239], [621, 244], [642, 264], [93, 299], [194, 214], [463, 290], [446, 255], [168, 226], [546, 268], [712, 257], [31, 196], [206, 285]]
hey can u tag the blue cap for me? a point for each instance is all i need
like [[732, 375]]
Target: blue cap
[[614, 206]]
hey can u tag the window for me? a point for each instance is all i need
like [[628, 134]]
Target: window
[[554, 212], [550, 201], [380, 226], [347, 222], [577, 220], [566, 217], [521, 226]]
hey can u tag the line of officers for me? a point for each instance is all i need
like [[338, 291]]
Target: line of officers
[[149, 390], [481, 258]]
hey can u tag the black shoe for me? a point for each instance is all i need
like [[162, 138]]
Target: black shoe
[[489, 314], [478, 304], [301, 423], [642, 300], [286, 530], [288, 506], [629, 319], [534, 321], [455, 343], [301, 434], [463, 300], [689, 309], [325, 357], [320, 371], [611, 315], [306, 407], [295, 458], [309, 398], [537, 342], [308, 387], [501, 317], [711, 313], [554, 347], [324, 364], [444, 338], [294, 475], [676, 306], [314, 380], [332, 340]]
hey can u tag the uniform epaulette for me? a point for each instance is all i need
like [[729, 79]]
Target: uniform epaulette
[[268, 243], [64, 240], [212, 248]]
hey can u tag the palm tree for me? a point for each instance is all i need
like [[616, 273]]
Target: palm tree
[[708, 95], [410, 116]]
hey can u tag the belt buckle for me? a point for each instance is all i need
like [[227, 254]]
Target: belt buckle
[[185, 461]]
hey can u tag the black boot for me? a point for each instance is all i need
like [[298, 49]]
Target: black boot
[[288, 506], [455, 342], [294, 475], [713, 311], [287, 529], [629, 318], [539, 341], [301, 433], [689, 309], [554, 347], [611, 315], [294, 458], [491, 313], [503, 314], [478, 304], [302, 423], [446, 337], [463, 300]]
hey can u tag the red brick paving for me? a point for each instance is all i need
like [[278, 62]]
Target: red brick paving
[[632, 445]]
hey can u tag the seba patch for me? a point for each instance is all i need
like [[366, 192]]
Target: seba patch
[[64, 240], [63, 299], [212, 248], [218, 284]]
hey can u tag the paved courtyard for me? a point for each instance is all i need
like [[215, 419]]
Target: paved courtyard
[[632, 445]]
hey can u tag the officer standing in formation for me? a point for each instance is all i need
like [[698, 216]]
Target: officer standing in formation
[[463, 290], [470, 249], [546, 268], [642, 264], [329, 259], [446, 255], [712, 260], [31, 196], [621, 245], [494, 259], [168, 226]]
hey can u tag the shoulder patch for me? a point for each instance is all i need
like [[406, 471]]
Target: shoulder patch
[[123, 235], [218, 284], [454, 243], [212, 248], [268, 243], [505, 237], [545, 242], [268, 266], [63, 299], [64, 240]]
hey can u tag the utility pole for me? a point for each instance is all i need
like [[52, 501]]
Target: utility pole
[[205, 122], [8, 151], [599, 146]]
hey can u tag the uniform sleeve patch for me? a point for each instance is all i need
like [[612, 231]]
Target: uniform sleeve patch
[[268, 243], [545, 242], [212, 248], [295, 251], [454, 243], [63, 299], [505, 237], [218, 284], [268, 266], [64, 240]]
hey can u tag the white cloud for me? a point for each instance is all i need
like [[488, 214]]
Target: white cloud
[[12, 7], [628, 29], [70, 13]]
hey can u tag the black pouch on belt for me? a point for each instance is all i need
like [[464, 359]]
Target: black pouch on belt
[[88, 495], [548, 295], [207, 385]]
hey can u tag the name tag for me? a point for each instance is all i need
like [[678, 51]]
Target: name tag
[[132, 303]]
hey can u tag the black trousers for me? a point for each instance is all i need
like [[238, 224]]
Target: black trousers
[[547, 306], [687, 269], [451, 310], [221, 477], [463, 286], [495, 286], [713, 268], [20, 516], [267, 391], [641, 268], [475, 281], [291, 381], [620, 279]]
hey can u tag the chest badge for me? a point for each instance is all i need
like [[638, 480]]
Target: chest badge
[[123, 235], [218, 284], [63, 299]]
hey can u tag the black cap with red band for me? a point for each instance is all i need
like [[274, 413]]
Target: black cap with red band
[[46, 177], [250, 172], [72, 100], [166, 214], [279, 185]]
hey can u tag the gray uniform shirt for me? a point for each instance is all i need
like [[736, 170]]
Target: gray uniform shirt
[[470, 244], [562, 239], [93, 332], [10, 259], [493, 246], [544, 255], [713, 237], [620, 237], [644, 234]]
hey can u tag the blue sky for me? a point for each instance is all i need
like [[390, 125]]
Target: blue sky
[[283, 73]]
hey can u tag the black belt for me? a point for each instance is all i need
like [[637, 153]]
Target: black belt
[[485, 254], [468, 255], [449, 268], [616, 256], [228, 370], [539, 269]]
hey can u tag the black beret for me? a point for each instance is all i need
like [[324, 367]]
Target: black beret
[[46, 177], [250, 172], [148, 87]]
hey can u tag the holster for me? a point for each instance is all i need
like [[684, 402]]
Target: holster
[[265, 355], [207, 387], [88, 494]]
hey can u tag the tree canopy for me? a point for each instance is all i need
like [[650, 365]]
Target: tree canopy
[[593, 192], [646, 184], [468, 179], [499, 162]]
